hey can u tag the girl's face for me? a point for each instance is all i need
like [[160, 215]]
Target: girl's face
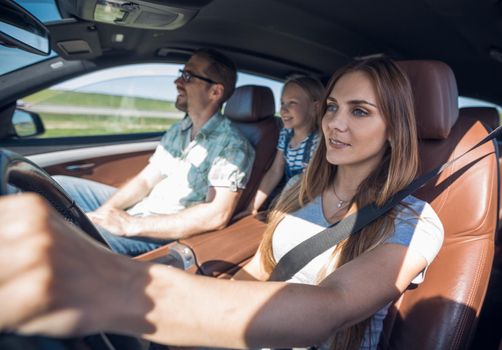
[[297, 109], [353, 126]]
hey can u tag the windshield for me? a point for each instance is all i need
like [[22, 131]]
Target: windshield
[[12, 59]]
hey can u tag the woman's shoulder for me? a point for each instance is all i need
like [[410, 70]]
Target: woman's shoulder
[[417, 225], [415, 208]]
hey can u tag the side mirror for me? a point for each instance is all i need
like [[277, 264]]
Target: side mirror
[[20, 29], [27, 124]]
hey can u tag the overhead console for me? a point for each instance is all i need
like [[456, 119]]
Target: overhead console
[[147, 14]]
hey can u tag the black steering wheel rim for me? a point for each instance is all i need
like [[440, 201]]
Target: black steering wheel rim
[[26, 176]]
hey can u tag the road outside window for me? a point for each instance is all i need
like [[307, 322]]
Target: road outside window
[[123, 100]]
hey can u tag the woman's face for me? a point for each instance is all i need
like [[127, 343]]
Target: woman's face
[[353, 126], [297, 109]]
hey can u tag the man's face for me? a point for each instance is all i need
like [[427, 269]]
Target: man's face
[[193, 95]]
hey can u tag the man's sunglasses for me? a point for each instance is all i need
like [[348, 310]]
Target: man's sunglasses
[[186, 76]]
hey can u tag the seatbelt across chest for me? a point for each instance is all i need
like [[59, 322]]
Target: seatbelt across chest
[[303, 253]]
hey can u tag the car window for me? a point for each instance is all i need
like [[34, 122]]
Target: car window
[[474, 102], [44, 10], [123, 100], [12, 59], [274, 85]]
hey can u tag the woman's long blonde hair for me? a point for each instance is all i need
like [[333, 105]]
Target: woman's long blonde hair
[[398, 168]]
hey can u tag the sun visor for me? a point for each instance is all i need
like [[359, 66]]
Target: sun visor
[[75, 40]]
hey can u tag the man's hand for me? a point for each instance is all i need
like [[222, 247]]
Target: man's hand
[[54, 280], [116, 221]]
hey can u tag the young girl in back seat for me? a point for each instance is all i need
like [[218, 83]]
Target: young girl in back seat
[[298, 138]]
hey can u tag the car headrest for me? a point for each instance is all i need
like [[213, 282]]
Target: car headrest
[[250, 103], [435, 95], [487, 115]]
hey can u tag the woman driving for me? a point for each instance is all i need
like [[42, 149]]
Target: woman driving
[[367, 152]]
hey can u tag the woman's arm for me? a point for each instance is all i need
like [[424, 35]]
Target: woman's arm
[[60, 283], [253, 314]]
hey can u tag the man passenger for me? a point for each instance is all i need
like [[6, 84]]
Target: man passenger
[[193, 180]]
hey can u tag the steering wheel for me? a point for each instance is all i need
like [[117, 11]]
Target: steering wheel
[[18, 174]]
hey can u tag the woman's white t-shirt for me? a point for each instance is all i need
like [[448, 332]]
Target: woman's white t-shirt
[[417, 227]]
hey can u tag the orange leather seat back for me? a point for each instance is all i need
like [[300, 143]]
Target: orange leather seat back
[[441, 313], [490, 117]]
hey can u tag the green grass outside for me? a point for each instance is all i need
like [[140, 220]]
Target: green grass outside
[[72, 98], [58, 125], [67, 125]]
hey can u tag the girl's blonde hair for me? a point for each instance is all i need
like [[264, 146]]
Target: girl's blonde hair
[[312, 87], [398, 168]]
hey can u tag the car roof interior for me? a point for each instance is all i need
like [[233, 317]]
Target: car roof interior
[[280, 37]]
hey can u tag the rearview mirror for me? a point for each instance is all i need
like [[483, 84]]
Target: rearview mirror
[[20, 29]]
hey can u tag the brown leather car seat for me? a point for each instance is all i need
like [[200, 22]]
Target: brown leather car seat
[[489, 116], [442, 312], [251, 109]]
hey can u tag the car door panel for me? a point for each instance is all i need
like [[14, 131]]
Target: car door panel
[[113, 170]]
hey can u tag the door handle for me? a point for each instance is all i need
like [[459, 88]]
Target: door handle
[[79, 167]]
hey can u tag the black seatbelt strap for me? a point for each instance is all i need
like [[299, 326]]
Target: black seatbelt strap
[[303, 253]]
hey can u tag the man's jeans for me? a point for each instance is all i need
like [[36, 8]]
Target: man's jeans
[[90, 195]]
